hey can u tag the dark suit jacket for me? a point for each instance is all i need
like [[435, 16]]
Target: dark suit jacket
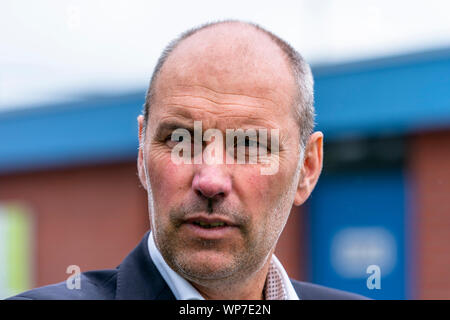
[[137, 278]]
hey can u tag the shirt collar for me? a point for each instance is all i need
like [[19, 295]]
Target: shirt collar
[[278, 285]]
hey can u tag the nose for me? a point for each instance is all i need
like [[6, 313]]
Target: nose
[[212, 182]]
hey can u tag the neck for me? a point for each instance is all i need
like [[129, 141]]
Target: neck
[[251, 288]]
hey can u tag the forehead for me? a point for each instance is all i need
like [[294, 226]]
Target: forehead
[[229, 65]]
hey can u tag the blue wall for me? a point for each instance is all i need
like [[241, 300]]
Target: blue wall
[[357, 219], [385, 96], [94, 130]]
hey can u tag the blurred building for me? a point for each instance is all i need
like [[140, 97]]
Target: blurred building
[[69, 192]]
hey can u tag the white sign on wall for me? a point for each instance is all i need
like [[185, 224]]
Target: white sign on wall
[[354, 249]]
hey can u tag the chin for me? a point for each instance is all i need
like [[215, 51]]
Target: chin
[[207, 265]]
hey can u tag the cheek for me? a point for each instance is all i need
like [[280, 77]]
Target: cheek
[[167, 180], [256, 191], [261, 194]]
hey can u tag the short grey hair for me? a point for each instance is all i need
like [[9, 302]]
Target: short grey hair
[[304, 102]]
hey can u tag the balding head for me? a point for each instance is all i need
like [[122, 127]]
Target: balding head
[[217, 223], [240, 55]]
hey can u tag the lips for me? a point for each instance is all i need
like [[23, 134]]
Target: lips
[[210, 222], [209, 225]]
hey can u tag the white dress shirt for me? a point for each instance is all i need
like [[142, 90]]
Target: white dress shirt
[[277, 287]]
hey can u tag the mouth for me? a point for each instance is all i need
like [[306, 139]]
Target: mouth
[[209, 227]]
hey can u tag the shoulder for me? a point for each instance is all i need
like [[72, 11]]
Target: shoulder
[[94, 285], [310, 291]]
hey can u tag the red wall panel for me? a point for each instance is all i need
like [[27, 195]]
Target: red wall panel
[[430, 169]]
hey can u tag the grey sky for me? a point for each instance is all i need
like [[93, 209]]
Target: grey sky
[[58, 49]]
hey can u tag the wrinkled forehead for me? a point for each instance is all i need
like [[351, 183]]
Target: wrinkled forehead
[[230, 59]]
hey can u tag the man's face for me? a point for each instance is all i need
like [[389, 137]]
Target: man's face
[[244, 84]]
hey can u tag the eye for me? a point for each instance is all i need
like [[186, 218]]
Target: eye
[[172, 142], [172, 139], [247, 143]]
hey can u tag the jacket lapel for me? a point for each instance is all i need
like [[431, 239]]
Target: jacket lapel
[[139, 279]]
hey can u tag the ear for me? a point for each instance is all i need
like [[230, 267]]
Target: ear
[[140, 160], [312, 166]]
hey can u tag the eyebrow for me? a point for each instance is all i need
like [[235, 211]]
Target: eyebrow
[[171, 125]]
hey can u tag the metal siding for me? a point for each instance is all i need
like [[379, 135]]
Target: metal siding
[[394, 99], [92, 131]]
